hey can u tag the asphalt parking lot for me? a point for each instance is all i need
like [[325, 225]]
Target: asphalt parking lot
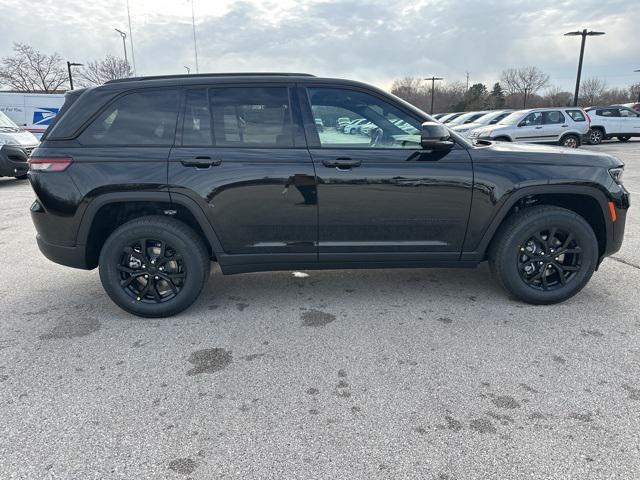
[[341, 374]]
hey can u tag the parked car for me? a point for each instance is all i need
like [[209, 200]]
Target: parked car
[[319, 124], [33, 112], [241, 182], [613, 121], [561, 126], [467, 117], [342, 122], [16, 145], [353, 127], [449, 117], [633, 106], [490, 118]]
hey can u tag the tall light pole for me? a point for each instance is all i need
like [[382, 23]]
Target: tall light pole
[[195, 45], [433, 87], [188, 70], [637, 71], [584, 34], [124, 44], [133, 55], [69, 65]]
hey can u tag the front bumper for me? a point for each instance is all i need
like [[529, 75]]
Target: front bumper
[[13, 161]]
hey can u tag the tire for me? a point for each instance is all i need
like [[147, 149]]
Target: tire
[[595, 136], [623, 138], [509, 259], [570, 141], [22, 177], [174, 278]]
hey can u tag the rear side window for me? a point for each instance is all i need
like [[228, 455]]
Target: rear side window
[[139, 118], [608, 112], [577, 115], [553, 117], [251, 116], [196, 129]]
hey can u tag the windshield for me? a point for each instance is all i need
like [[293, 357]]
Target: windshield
[[6, 121], [462, 118], [512, 118]]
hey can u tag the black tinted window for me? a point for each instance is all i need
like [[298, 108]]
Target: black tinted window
[[577, 115], [534, 118], [608, 112], [553, 117], [141, 118], [196, 129], [252, 116]]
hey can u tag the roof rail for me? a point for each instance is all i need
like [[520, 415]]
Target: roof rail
[[206, 75]]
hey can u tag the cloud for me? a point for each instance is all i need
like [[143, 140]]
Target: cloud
[[373, 40]]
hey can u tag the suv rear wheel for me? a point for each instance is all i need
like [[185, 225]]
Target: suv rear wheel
[[595, 136], [154, 266], [544, 254], [570, 141]]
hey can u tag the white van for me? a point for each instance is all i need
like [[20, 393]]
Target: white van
[[16, 145], [31, 111]]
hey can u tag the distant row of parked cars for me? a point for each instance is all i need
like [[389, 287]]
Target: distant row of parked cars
[[363, 126], [566, 126]]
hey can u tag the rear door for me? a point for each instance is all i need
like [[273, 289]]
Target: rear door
[[381, 196], [243, 158], [555, 124]]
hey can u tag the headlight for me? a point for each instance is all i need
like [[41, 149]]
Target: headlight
[[616, 174], [8, 141]]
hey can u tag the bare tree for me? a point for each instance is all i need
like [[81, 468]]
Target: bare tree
[[524, 81], [29, 70], [556, 97], [634, 91], [592, 90], [101, 71]]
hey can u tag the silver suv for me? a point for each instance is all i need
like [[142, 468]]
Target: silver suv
[[561, 126]]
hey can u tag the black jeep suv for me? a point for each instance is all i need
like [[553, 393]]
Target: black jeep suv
[[153, 178]]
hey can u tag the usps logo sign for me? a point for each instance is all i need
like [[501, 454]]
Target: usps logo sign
[[43, 116]]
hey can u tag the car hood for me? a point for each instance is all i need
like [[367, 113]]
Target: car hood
[[466, 126], [501, 152]]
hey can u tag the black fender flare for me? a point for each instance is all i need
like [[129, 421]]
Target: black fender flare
[[172, 199], [517, 195]]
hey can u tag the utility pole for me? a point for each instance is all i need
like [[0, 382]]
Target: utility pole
[[195, 45], [638, 71], [524, 103], [584, 34], [467, 80], [433, 87], [133, 55], [69, 65], [124, 44]]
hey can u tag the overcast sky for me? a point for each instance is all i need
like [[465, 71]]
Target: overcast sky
[[372, 41]]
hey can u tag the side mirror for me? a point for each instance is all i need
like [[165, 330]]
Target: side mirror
[[435, 136]]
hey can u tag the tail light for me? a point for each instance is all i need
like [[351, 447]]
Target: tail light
[[588, 119], [49, 164]]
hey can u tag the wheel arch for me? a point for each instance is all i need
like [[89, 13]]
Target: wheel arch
[[107, 212], [587, 201]]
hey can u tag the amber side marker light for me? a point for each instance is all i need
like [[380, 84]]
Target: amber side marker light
[[612, 211]]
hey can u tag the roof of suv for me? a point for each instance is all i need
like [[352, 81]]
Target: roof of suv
[[209, 75]]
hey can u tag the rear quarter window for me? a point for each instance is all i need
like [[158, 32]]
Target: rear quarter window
[[576, 115], [138, 118]]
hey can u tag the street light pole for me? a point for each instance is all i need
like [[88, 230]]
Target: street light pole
[[433, 87], [638, 71], [584, 34], [188, 70], [124, 44], [69, 65]]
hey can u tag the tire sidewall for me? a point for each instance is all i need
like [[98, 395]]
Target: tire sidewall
[[111, 255], [599, 138], [566, 137], [585, 238]]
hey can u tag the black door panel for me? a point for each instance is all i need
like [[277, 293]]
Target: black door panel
[[257, 200]]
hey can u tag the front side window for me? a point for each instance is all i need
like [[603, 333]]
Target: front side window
[[375, 123], [251, 117], [628, 113], [553, 117], [534, 118], [139, 118]]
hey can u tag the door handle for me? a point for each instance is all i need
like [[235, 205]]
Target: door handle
[[342, 163], [538, 128], [564, 126], [201, 162]]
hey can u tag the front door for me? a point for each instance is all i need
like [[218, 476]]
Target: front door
[[628, 122], [531, 129], [243, 157], [381, 196]]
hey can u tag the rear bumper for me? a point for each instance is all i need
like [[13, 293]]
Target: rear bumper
[[13, 161], [74, 257]]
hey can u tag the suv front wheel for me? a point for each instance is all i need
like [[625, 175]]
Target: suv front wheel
[[544, 254], [154, 266]]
